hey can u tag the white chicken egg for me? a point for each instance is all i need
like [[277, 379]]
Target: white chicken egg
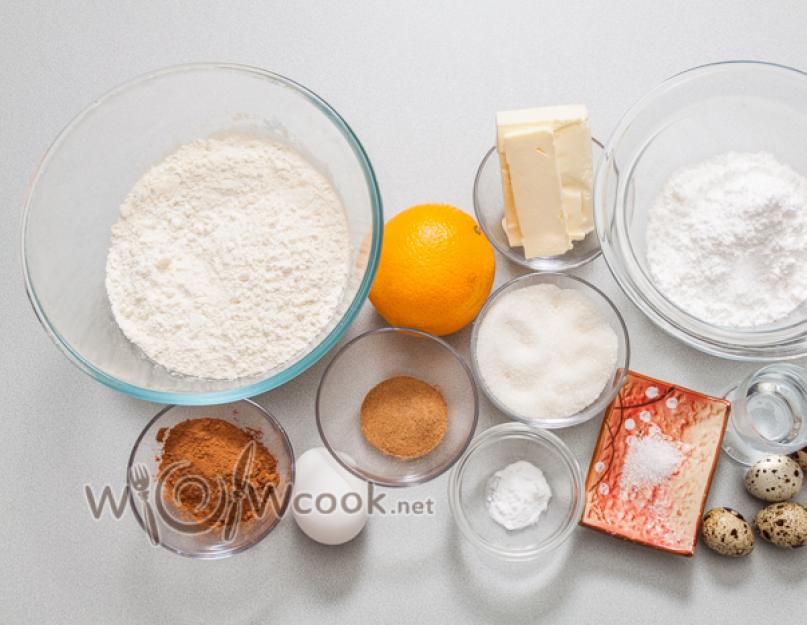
[[329, 503]]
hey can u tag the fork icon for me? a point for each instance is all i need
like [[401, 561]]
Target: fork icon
[[139, 479]]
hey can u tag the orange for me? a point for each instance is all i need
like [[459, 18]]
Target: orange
[[436, 270]]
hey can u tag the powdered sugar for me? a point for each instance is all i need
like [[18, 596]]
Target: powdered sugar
[[727, 240], [229, 258]]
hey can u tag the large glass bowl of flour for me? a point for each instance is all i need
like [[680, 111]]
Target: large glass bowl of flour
[[739, 282], [90, 170]]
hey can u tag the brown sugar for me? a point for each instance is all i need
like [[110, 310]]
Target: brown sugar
[[203, 454], [404, 417]]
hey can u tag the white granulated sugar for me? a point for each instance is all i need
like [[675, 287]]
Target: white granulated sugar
[[229, 258], [546, 352], [649, 461], [727, 240], [517, 495]]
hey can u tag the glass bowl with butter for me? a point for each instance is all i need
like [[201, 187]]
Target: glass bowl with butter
[[533, 189]]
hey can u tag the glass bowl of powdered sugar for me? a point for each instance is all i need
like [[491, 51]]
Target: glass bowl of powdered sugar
[[701, 209], [201, 234], [517, 492]]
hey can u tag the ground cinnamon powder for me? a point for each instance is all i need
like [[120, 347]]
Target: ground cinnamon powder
[[404, 417], [211, 448]]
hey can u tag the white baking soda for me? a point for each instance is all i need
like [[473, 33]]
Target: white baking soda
[[229, 258], [546, 352], [517, 495]]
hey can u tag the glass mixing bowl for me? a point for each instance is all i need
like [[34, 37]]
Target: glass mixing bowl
[[493, 450], [739, 106], [88, 171]]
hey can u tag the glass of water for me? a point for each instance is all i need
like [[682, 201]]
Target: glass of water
[[768, 413]]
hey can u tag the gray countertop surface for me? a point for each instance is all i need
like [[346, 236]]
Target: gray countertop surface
[[419, 82]]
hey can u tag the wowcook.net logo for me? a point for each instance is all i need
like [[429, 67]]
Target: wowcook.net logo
[[191, 504], [188, 503], [218, 505]]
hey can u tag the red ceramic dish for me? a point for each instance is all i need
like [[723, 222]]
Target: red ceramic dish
[[653, 464]]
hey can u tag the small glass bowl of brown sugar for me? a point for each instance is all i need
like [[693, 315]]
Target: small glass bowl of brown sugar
[[397, 406], [210, 481]]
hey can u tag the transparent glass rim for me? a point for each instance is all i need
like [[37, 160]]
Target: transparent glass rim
[[746, 344], [295, 369], [417, 479], [275, 424], [741, 420], [590, 411], [492, 436], [507, 251]]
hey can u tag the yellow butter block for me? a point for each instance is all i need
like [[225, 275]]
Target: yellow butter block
[[536, 189]]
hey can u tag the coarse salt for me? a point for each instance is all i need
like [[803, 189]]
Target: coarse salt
[[650, 461]]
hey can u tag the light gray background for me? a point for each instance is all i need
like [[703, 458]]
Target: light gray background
[[419, 82]]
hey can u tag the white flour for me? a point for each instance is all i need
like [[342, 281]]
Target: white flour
[[229, 258], [546, 352], [727, 240], [517, 495]]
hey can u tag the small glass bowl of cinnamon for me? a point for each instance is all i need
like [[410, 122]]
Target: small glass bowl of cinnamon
[[210, 481], [397, 406]]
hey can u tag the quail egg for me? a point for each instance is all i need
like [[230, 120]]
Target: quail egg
[[774, 478], [726, 531], [800, 456], [784, 524]]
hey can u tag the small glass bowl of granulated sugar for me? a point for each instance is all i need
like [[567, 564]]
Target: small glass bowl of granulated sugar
[[550, 350]]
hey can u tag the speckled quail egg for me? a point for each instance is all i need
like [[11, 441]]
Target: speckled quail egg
[[784, 524], [726, 531], [774, 478], [800, 456]]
